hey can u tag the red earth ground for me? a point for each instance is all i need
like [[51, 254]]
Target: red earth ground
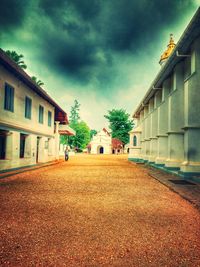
[[95, 211]]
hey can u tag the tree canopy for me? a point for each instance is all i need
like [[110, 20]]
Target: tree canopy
[[74, 113], [82, 137], [17, 58], [92, 133], [120, 124]]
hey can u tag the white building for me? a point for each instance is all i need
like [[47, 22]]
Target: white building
[[168, 117], [30, 120], [101, 143]]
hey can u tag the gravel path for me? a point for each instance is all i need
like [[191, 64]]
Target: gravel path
[[95, 211]]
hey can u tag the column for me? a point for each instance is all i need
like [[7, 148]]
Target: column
[[175, 121], [191, 163], [162, 143], [57, 139], [151, 158], [146, 133]]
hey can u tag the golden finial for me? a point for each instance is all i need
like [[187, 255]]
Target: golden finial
[[169, 50]]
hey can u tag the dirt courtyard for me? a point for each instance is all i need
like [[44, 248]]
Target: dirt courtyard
[[95, 211]]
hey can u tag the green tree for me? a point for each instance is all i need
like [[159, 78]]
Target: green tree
[[38, 82], [120, 124], [82, 137], [74, 113], [92, 133], [17, 58]]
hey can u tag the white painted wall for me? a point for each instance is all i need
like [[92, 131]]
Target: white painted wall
[[15, 123], [101, 139]]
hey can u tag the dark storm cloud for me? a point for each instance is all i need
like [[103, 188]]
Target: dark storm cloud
[[81, 38], [85, 29], [86, 9], [12, 13]]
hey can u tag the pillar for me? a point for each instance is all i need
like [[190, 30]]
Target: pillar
[[176, 120], [191, 163]]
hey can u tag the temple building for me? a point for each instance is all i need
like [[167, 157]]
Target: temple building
[[167, 131], [103, 143], [30, 120]]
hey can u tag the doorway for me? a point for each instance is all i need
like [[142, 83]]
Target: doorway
[[2, 145], [37, 148], [22, 145], [101, 150]]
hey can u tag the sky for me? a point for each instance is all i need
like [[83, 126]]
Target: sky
[[104, 53]]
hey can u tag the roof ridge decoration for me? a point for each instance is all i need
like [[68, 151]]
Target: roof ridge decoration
[[191, 32], [170, 48]]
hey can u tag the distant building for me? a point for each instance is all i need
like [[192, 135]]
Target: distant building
[[103, 143], [117, 146], [30, 120], [168, 118]]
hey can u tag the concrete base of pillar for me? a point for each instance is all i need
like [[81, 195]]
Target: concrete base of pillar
[[173, 164], [137, 160], [160, 161], [151, 159], [190, 168]]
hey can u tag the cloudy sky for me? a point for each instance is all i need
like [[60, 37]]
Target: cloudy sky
[[104, 53]]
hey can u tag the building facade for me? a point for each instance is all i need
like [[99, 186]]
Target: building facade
[[30, 120], [167, 131], [101, 143]]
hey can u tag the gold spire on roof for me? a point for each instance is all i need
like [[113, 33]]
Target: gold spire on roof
[[169, 50]]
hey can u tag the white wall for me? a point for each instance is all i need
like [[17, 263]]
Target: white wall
[[15, 123]]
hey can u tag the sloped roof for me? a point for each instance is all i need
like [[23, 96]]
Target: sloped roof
[[106, 131], [189, 35], [116, 143], [10, 65]]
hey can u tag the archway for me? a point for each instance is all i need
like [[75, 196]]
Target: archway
[[101, 150]]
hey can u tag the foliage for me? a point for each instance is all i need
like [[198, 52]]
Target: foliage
[[17, 58], [120, 124], [38, 82], [92, 133], [64, 139], [74, 113], [82, 137]]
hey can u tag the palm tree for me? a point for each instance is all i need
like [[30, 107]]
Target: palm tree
[[17, 58], [38, 82]]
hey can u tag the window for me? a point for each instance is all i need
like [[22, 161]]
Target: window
[[134, 140], [22, 145], [49, 118], [28, 106], [41, 114], [2, 145], [9, 98]]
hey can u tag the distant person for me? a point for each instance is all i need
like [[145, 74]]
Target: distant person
[[66, 153]]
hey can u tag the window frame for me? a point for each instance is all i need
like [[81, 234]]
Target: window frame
[[49, 118], [41, 114], [134, 140], [9, 95], [28, 111]]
